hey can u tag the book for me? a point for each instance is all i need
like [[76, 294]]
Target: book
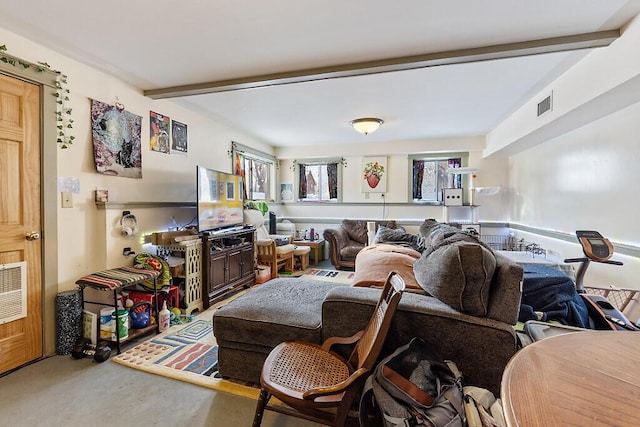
[[90, 326]]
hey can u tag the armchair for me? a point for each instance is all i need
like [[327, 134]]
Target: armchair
[[269, 251], [348, 239]]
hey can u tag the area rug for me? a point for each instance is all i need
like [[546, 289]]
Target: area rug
[[344, 277], [187, 353]]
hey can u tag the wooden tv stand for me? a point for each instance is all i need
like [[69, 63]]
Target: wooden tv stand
[[228, 261]]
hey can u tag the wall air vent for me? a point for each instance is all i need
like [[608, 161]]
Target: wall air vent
[[13, 291], [545, 105]]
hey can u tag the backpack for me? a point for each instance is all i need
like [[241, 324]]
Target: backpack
[[413, 386]]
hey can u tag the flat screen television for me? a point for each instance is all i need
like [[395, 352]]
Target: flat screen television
[[219, 199]]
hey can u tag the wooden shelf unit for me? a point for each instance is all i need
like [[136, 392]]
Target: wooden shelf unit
[[228, 260]]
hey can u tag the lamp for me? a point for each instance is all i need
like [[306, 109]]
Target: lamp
[[366, 125]]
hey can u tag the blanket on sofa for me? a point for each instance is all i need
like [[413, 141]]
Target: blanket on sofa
[[373, 264]]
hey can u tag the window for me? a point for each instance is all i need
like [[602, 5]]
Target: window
[[318, 181], [429, 176], [257, 173], [258, 170]]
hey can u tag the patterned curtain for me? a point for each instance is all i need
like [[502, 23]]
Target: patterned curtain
[[240, 171], [457, 178], [418, 172], [332, 172], [302, 188]]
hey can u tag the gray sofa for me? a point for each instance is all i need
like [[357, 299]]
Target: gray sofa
[[289, 309]]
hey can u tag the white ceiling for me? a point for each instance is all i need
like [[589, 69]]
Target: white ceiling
[[162, 43]]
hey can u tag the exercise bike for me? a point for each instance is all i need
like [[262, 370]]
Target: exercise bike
[[602, 314]]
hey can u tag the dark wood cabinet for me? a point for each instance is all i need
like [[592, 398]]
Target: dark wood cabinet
[[229, 263]]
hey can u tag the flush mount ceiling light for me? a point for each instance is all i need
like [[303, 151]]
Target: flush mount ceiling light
[[366, 125]]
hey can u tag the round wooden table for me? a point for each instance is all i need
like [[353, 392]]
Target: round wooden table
[[581, 379]]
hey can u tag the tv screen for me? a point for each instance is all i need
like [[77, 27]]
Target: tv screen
[[220, 199]]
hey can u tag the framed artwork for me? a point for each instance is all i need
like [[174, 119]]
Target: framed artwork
[[159, 132], [374, 175], [179, 144], [286, 192], [231, 190], [116, 140]]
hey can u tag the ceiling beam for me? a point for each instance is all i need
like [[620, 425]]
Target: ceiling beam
[[460, 56]]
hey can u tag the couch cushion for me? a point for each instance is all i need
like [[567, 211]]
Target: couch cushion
[[458, 274], [356, 229], [374, 263], [351, 249], [282, 309]]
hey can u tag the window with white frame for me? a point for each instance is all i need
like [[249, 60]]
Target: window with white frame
[[318, 181], [429, 175], [258, 170]]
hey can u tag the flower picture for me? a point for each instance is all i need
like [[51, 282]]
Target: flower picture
[[374, 174]]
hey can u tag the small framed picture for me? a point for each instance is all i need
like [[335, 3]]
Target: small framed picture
[[102, 196]]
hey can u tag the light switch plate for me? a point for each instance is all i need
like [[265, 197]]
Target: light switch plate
[[67, 199]]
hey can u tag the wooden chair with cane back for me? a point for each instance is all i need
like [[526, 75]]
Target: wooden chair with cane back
[[311, 380], [267, 251]]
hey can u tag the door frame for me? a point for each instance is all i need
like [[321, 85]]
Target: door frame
[[49, 192]]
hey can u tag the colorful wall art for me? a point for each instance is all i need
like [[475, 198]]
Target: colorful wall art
[[116, 140]]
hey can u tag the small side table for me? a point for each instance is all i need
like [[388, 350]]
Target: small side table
[[316, 246]]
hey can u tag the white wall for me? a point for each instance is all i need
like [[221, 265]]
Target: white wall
[[88, 238], [584, 180], [576, 167], [395, 204]]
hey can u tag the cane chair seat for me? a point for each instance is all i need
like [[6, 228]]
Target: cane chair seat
[[298, 366]]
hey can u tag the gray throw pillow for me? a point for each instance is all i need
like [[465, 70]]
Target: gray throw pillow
[[459, 275]]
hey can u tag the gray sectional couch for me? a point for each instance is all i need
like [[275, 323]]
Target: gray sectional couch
[[479, 337]]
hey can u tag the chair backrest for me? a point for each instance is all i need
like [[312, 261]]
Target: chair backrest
[[366, 352], [254, 217]]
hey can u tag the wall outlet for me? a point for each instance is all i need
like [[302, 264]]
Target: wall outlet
[[67, 199]]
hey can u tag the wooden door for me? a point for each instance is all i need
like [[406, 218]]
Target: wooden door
[[20, 250]]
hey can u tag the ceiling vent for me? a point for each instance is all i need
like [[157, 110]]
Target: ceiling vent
[[13, 291], [545, 105]]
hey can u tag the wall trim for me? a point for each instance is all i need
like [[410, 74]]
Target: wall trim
[[621, 248]]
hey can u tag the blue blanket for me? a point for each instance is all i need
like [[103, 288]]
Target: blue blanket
[[551, 293]]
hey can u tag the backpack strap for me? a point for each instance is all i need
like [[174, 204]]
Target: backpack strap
[[449, 393], [366, 402]]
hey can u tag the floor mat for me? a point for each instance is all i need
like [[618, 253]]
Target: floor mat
[[188, 353]]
